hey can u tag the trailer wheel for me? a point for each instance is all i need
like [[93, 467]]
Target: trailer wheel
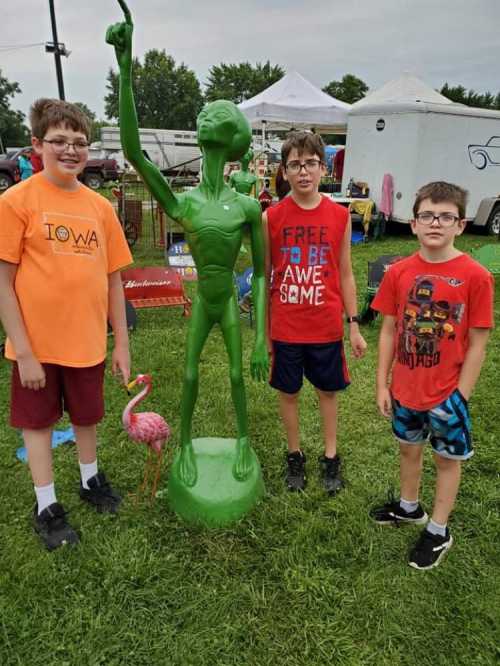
[[493, 224]]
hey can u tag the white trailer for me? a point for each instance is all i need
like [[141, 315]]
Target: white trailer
[[170, 150], [418, 142]]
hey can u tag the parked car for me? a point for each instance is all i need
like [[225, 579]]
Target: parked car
[[9, 172], [96, 172], [99, 171]]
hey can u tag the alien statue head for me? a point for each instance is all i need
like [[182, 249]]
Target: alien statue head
[[222, 125]]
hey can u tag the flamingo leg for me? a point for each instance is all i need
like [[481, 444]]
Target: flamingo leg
[[157, 475], [147, 472]]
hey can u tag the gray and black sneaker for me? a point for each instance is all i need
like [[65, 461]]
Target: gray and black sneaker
[[52, 527], [296, 471], [331, 474], [391, 513], [429, 550], [100, 494]]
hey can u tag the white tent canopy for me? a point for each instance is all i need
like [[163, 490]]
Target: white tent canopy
[[294, 102], [406, 89]]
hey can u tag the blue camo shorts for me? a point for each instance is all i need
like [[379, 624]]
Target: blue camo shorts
[[447, 426]]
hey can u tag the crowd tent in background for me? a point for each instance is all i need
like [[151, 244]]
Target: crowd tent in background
[[295, 103]]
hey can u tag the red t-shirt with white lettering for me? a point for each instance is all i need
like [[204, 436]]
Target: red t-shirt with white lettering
[[306, 302], [435, 305]]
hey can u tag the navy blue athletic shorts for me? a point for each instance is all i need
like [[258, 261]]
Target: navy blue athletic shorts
[[447, 426], [323, 364]]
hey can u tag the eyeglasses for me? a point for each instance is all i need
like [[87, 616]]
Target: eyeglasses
[[60, 145], [444, 219], [295, 166]]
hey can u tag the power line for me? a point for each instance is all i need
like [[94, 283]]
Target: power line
[[16, 47]]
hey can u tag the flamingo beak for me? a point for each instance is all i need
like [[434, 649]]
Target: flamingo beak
[[131, 385]]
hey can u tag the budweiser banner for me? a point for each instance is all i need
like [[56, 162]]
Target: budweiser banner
[[153, 286]]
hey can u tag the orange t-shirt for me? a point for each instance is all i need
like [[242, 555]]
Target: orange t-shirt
[[65, 244]]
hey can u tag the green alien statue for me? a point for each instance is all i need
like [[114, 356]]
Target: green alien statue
[[244, 181], [214, 218]]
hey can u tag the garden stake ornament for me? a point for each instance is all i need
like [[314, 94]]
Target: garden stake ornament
[[147, 428]]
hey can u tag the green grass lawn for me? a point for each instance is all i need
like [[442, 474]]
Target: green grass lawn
[[303, 580]]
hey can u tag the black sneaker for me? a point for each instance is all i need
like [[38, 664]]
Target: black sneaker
[[429, 550], [391, 513], [296, 472], [100, 494], [330, 474], [52, 527]]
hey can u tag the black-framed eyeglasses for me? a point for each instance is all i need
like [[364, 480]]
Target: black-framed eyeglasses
[[295, 166], [445, 219], [61, 145]]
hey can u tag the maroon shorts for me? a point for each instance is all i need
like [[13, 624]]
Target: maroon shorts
[[78, 391]]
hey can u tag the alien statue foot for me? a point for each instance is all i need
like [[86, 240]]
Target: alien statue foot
[[243, 463], [187, 466]]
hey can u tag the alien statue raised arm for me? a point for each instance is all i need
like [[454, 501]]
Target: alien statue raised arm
[[213, 217]]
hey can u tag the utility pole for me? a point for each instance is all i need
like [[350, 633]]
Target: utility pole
[[57, 49]]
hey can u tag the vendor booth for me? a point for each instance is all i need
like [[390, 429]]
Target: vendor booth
[[295, 103]]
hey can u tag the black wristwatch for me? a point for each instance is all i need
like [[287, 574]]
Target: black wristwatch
[[353, 319]]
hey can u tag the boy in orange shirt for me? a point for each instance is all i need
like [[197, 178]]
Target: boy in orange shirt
[[61, 251]]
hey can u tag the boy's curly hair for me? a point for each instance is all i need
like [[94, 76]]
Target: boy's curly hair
[[441, 192], [46, 113]]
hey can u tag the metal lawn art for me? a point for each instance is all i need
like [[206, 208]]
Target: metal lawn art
[[146, 428]]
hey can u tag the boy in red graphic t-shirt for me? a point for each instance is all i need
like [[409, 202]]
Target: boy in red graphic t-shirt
[[438, 311], [309, 255]]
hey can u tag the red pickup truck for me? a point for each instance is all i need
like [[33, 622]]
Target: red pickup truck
[[96, 172]]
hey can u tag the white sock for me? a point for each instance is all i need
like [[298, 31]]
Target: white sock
[[45, 496], [436, 528], [408, 505], [87, 471]]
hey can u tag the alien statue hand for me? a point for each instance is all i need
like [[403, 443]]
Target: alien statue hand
[[259, 362], [119, 35]]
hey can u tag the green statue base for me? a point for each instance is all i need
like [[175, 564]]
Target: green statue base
[[217, 498]]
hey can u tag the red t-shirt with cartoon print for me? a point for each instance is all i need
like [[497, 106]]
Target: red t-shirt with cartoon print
[[435, 305], [306, 302]]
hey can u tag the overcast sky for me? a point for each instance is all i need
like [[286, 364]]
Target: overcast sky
[[377, 40]]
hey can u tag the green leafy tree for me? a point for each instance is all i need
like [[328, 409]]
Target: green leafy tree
[[13, 131], [461, 95], [167, 96], [95, 125], [455, 94], [238, 82], [350, 89]]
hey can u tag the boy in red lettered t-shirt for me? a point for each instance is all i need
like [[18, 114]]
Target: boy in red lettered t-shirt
[[309, 254], [438, 312], [61, 251]]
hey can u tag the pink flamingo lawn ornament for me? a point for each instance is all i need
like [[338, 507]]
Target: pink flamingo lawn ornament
[[146, 427]]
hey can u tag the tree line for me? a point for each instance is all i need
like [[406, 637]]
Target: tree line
[[170, 96]]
